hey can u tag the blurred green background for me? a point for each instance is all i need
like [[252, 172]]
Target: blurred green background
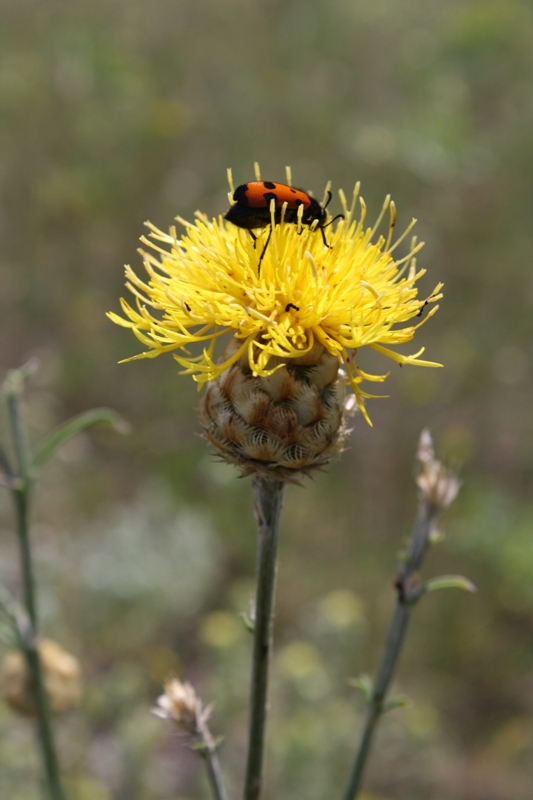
[[115, 112]]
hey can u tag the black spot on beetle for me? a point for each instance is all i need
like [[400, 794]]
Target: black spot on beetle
[[268, 196], [269, 185]]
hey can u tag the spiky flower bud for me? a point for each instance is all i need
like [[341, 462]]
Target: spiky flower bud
[[286, 423]]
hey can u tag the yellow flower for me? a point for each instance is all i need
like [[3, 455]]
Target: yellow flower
[[206, 283]]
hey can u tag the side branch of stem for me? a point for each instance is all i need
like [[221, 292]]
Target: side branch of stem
[[27, 635], [410, 565]]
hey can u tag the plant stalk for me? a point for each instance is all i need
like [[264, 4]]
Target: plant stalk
[[411, 563], [268, 502], [214, 774], [21, 492]]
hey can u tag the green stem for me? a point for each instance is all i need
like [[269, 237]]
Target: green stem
[[374, 709], [206, 747], [21, 496], [214, 775], [416, 552], [268, 502], [22, 503]]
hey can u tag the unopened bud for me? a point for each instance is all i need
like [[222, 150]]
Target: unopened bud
[[438, 485], [181, 704]]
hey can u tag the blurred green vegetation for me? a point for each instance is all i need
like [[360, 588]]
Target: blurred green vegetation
[[112, 113]]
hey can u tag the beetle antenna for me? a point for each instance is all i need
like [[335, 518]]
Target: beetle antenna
[[339, 216], [328, 200]]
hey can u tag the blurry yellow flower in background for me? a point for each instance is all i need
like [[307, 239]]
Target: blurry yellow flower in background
[[307, 306]]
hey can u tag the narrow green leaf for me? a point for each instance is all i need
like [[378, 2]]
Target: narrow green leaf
[[365, 685], [248, 622], [216, 743], [397, 702], [207, 749], [201, 747], [72, 427], [449, 582]]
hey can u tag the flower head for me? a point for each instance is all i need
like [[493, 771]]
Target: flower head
[[206, 283]]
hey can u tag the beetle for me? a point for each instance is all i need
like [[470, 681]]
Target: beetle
[[251, 208]]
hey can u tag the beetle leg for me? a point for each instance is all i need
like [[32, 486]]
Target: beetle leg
[[263, 250], [426, 303]]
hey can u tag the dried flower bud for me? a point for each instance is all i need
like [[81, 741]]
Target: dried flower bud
[[61, 674], [439, 486], [181, 704]]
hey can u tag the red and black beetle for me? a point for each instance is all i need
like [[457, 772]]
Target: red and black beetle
[[251, 208]]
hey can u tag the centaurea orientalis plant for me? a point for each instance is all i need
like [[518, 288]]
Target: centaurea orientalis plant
[[291, 319]]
